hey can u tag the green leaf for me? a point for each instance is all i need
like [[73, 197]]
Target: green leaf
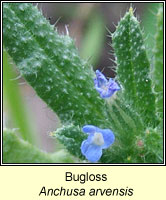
[[71, 137], [132, 108], [16, 150], [93, 39], [14, 101], [141, 148], [153, 142], [127, 125], [158, 66], [50, 63], [133, 67]]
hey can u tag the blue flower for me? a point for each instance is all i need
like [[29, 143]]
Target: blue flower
[[97, 140], [106, 88]]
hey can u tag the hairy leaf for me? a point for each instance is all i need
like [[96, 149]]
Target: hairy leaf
[[71, 136], [16, 150], [133, 67], [50, 63]]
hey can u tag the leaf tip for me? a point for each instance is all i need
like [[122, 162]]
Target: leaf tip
[[131, 11]]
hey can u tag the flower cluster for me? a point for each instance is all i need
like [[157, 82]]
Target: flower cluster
[[106, 88], [97, 140]]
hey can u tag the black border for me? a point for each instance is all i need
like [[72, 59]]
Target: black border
[[82, 164]]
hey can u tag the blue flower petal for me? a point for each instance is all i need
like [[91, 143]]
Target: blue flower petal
[[91, 148], [112, 85], [100, 91], [108, 137], [89, 129], [104, 87], [100, 79], [84, 146], [86, 143], [92, 152]]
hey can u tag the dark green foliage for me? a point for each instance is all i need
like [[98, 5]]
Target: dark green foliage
[[133, 68], [133, 108], [144, 148], [50, 63], [153, 143]]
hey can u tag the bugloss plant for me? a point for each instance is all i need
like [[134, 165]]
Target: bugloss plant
[[109, 121]]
